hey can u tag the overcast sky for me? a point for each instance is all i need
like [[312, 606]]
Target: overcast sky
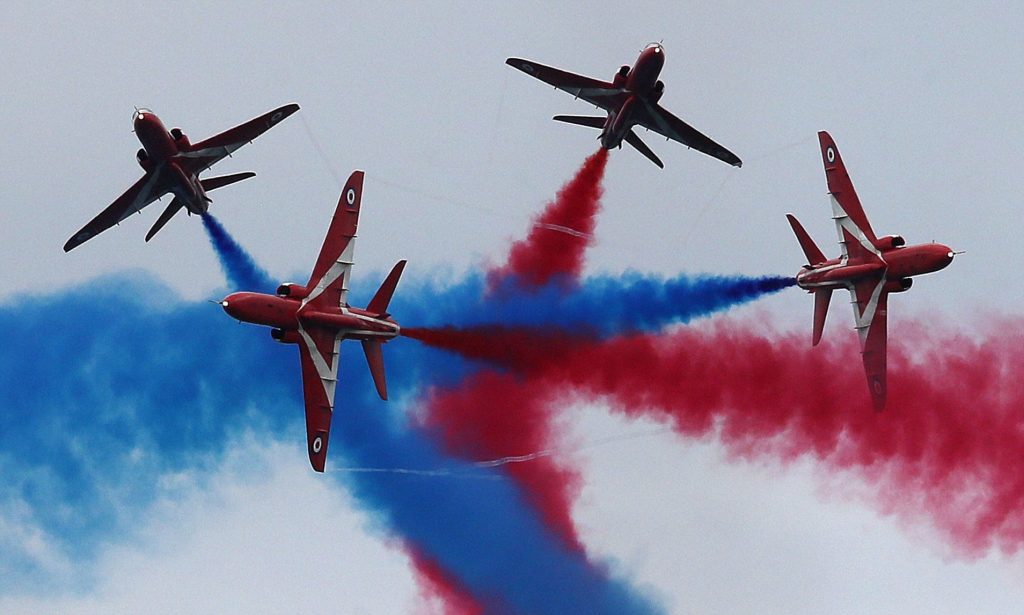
[[460, 151]]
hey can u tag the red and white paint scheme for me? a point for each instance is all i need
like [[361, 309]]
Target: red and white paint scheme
[[629, 99], [172, 165], [870, 267], [317, 317]]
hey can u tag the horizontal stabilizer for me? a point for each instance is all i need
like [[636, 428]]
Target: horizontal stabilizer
[[822, 296], [811, 251], [375, 359], [581, 120], [640, 146], [212, 183], [379, 304], [165, 217]]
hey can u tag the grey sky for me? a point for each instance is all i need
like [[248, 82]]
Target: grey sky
[[923, 101]]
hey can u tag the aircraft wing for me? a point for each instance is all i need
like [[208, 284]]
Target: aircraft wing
[[654, 117], [318, 351], [143, 192], [841, 188], [204, 154], [329, 280], [596, 92], [870, 307]]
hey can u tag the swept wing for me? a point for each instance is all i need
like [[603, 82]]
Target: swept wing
[[596, 92], [149, 188], [870, 307], [206, 153], [654, 117], [318, 352]]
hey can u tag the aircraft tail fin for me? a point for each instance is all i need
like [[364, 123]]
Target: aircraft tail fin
[[212, 183], [379, 304], [375, 360], [633, 139], [165, 217], [582, 120], [822, 296], [811, 250]]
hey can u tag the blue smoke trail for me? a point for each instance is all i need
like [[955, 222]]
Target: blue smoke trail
[[241, 271], [149, 384], [602, 304], [130, 384]]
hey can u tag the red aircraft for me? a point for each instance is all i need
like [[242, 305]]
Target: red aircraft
[[870, 268], [630, 99], [173, 165], [317, 316]]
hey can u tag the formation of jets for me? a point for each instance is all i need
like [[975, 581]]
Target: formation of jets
[[317, 317]]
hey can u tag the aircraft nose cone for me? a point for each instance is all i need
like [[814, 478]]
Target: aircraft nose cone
[[228, 304]]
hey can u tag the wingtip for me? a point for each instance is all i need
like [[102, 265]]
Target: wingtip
[[74, 242], [286, 110]]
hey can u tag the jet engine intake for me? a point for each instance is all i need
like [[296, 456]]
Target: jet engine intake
[[293, 291], [657, 90], [143, 159], [619, 79], [898, 286], [890, 242], [180, 139]]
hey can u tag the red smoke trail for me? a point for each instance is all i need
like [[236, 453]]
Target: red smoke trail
[[488, 416], [561, 234], [492, 415], [437, 585], [948, 447], [521, 348]]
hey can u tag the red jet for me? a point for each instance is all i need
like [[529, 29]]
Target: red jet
[[173, 165], [630, 99], [317, 317], [870, 268]]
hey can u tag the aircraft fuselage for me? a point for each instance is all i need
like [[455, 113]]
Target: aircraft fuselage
[[641, 82], [162, 152], [287, 315], [898, 264]]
